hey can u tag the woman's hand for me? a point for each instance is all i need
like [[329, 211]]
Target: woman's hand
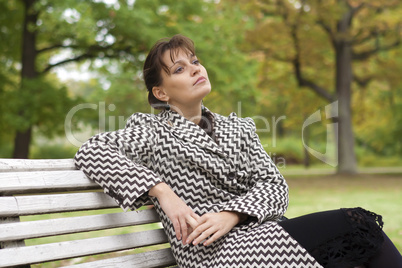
[[214, 225], [183, 218]]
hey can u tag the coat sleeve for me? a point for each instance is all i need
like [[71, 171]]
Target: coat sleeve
[[118, 162], [268, 195]]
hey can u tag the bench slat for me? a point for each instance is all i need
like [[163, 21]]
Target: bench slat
[[30, 187], [44, 181], [43, 228], [10, 165], [14, 243], [40, 204], [152, 259], [79, 248]]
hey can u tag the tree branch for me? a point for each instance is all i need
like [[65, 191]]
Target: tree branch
[[373, 34], [296, 62], [56, 46], [363, 82], [92, 52], [370, 36], [327, 29], [75, 59], [303, 82], [368, 53]]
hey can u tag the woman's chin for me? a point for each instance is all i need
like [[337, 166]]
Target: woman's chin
[[206, 91]]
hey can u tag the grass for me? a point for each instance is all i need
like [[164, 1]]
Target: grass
[[381, 194]]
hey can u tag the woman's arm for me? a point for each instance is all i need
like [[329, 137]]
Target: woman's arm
[[267, 199], [117, 162]]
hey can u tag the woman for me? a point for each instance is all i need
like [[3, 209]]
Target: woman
[[217, 192]]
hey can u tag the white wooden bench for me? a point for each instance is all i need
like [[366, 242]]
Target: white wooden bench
[[34, 187]]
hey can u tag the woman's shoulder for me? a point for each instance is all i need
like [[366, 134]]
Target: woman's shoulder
[[233, 118], [141, 119]]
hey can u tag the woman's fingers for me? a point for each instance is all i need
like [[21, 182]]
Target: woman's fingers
[[177, 211], [210, 234], [183, 228], [212, 239], [212, 226], [199, 233], [176, 226], [192, 222], [188, 226], [195, 216], [205, 234]]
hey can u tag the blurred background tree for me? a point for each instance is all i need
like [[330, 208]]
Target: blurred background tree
[[332, 47], [276, 61], [115, 35]]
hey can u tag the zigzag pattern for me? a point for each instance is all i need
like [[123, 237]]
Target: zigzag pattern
[[234, 173]]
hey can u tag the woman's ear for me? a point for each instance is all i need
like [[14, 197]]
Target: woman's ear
[[160, 94]]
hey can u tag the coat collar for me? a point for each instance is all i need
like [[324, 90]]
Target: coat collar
[[188, 131]]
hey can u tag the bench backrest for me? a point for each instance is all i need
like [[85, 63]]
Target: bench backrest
[[55, 187]]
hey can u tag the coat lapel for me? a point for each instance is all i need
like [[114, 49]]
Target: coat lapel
[[189, 132]]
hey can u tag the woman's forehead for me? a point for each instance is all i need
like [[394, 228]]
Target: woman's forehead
[[172, 55]]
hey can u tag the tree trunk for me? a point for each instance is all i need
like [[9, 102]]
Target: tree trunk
[[23, 137], [21, 143], [346, 143]]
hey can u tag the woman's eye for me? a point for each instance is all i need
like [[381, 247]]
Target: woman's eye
[[178, 70]]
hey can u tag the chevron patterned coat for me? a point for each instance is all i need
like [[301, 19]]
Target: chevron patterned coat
[[234, 174]]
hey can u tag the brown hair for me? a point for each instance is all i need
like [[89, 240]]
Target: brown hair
[[154, 64]]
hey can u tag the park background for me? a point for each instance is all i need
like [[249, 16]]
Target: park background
[[70, 69]]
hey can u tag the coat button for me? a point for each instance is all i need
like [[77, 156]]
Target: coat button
[[231, 175]]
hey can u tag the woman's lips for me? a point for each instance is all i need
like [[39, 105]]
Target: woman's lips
[[200, 80]]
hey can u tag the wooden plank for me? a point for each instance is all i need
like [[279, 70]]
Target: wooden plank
[[44, 181], [152, 259], [11, 165], [15, 242], [8, 207], [43, 228], [40, 204], [79, 248]]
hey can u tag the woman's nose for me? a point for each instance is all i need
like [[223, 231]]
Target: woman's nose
[[196, 69]]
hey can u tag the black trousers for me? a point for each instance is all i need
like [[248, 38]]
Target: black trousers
[[338, 238]]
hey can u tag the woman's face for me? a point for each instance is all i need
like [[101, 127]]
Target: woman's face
[[187, 84]]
